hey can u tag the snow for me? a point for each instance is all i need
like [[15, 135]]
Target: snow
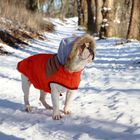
[[105, 107]]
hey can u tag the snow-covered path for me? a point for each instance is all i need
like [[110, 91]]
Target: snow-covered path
[[106, 107]]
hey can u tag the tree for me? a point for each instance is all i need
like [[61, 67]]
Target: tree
[[110, 17], [79, 11], [134, 24], [34, 5], [98, 15], [82, 12], [90, 21]]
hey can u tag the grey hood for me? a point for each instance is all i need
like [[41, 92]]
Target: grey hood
[[65, 48], [69, 46]]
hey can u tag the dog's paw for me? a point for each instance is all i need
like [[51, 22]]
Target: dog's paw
[[57, 116], [67, 111], [28, 108]]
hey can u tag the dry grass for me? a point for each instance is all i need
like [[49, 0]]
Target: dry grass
[[20, 17], [17, 24]]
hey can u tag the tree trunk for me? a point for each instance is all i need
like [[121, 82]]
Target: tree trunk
[[118, 17], [109, 16], [32, 5], [64, 8], [134, 25], [79, 11], [84, 13], [98, 16], [71, 8], [90, 23]]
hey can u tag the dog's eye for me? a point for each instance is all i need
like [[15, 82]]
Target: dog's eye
[[83, 46]]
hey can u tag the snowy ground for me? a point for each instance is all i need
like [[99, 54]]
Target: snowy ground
[[106, 107]]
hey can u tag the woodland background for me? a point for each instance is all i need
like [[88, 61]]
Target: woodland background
[[104, 18]]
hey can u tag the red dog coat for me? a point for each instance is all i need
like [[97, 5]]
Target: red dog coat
[[34, 67]]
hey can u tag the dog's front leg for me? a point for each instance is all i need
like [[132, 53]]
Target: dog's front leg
[[55, 101], [68, 101]]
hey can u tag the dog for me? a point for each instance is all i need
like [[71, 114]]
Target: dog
[[57, 73]]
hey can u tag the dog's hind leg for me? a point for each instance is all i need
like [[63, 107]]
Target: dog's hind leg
[[43, 101], [25, 87]]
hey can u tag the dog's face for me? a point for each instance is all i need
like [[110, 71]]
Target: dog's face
[[86, 53], [82, 53], [83, 56]]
